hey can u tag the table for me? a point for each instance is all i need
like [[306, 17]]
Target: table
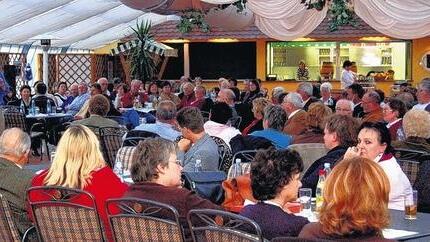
[[47, 116], [420, 225]]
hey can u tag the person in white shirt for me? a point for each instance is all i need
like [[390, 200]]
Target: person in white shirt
[[423, 95], [348, 76], [218, 122], [374, 143]]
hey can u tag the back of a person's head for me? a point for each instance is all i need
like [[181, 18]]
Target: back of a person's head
[[148, 155], [14, 142], [357, 89], [317, 113], [345, 127], [347, 63], [275, 117], [306, 87], [271, 170], [357, 189], [77, 155], [99, 105], [416, 123], [220, 113], [191, 118], [41, 88], [295, 99], [166, 110]]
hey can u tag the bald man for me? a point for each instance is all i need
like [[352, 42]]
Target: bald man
[[14, 150]]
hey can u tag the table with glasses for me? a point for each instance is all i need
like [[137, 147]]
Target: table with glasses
[[419, 228]]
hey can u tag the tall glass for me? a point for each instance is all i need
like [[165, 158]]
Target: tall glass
[[305, 195], [411, 204]]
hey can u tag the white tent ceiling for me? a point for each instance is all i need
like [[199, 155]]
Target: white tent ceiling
[[78, 24]]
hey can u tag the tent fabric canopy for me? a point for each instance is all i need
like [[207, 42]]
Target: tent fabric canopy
[[77, 24]]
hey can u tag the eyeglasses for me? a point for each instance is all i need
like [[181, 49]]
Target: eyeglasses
[[343, 110], [177, 162]]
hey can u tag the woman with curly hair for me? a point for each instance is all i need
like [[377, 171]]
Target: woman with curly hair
[[355, 203], [317, 113], [275, 181]]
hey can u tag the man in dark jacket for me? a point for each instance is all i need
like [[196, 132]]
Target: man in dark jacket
[[340, 133]]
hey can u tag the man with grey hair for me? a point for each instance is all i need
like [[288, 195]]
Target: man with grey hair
[[80, 100], [165, 124], [344, 107], [14, 151], [276, 92], [273, 123], [297, 117], [226, 95], [306, 90], [423, 95], [103, 81], [371, 107]]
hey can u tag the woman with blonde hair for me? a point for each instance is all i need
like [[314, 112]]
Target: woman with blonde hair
[[258, 106], [355, 203], [79, 164]]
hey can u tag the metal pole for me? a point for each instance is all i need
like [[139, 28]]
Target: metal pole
[[45, 65]]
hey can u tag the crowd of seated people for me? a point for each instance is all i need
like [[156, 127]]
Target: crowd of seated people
[[360, 126]]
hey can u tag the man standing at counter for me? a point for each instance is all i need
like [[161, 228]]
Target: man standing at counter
[[348, 76]]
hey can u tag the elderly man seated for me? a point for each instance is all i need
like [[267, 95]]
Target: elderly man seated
[[165, 125], [196, 144], [98, 107], [79, 101], [273, 123], [344, 107], [14, 150]]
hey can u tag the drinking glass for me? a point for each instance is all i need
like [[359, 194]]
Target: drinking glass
[[305, 195], [411, 204]]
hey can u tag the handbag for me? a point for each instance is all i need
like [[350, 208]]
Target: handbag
[[207, 184], [237, 190]]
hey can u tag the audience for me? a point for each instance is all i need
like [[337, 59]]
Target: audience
[[123, 97], [165, 124], [79, 101], [273, 122], [104, 83], [353, 209], [79, 164], [374, 143], [138, 96], [233, 86], [60, 95], [166, 94], [156, 174], [152, 91], [98, 107], [227, 96], [254, 92], [305, 90], [423, 95], [14, 152], [315, 120], [41, 98], [258, 106], [275, 181], [83, 112], [340, 132], [25, 100], [201, 102], [297, 117], [326, 98], [393, 112], [371, 107], [217, 125], [344, 107], [188, 96], [276, 92], [416, 127], [355, 93], [195, 144]]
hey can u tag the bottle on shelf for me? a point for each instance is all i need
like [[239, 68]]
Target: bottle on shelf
[[319, 190], [237, 168], [198, 166], [327, 169]]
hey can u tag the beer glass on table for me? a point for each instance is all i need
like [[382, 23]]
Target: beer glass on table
[[411, 204]]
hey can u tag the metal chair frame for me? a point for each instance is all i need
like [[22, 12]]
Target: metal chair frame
[[141, 209], [225, 154], [245, 155], [235, 121], [111, 140]]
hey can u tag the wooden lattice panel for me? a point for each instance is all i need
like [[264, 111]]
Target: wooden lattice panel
[[99, 65], [74, 68]]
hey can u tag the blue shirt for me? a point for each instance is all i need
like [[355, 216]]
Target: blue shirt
[[279, 139], [165, 131], [77, 104]]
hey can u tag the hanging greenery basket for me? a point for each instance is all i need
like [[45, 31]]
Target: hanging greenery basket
[[192, 19], [341, 12]]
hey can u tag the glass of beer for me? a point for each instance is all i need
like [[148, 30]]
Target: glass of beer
[[411, 204], [305, 195]]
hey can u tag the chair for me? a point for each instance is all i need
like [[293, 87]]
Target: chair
[[111, 139], [408, 154], [215, 225], [125, 156], [42, 101], [57, 216], [410, 168], [235, 121], [143, 220], [309, 152], [8, 230], [225, 155], [119, 119], [245, 155], [134, 136], [15, 119], [296, 239], [422, 185], [132, 141]]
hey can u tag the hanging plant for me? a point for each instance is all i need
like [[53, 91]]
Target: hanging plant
[[142, 62], [341, 12], [191, 19]]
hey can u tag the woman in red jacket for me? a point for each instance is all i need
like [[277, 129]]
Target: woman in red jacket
[[79, 164]]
